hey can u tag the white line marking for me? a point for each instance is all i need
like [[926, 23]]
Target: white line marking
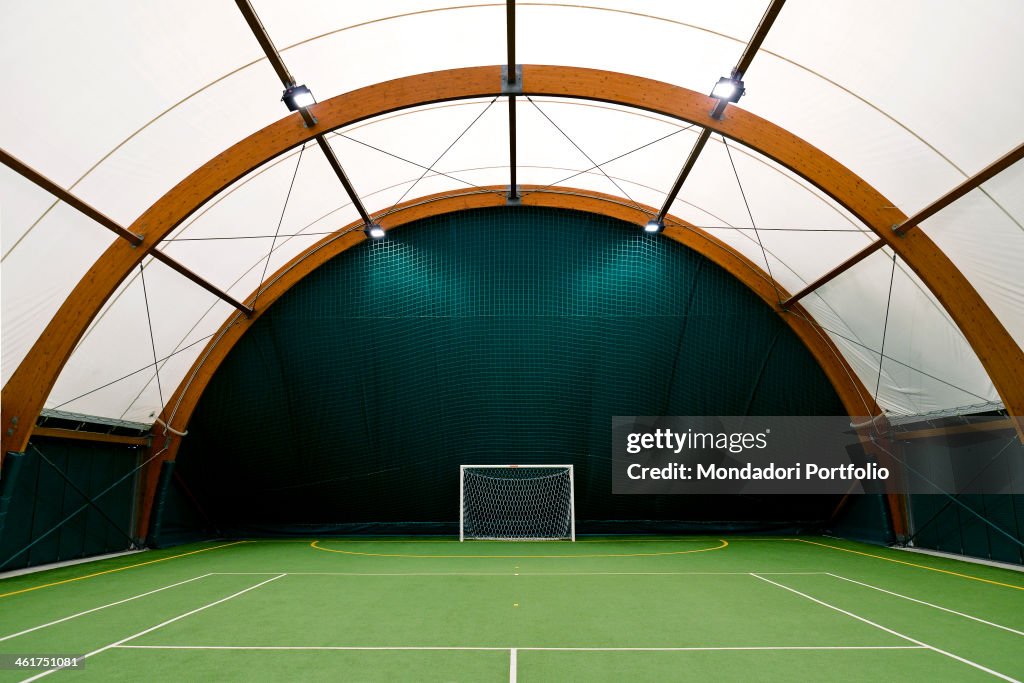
[[725, 648], [889, 630], [529, 649], [158, 626], [306, 647], [922, 602], [519, 573], [512, 657], [96, 609]]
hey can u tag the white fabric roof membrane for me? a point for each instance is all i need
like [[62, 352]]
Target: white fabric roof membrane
[[119, 100]]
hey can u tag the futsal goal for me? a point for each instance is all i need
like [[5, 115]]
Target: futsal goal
[[517, 502]]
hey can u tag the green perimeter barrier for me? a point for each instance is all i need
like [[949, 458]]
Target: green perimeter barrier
[[48, 519], [8, 482], [980, 525]]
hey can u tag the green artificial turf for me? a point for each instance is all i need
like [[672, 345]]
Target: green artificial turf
[[432, 609]]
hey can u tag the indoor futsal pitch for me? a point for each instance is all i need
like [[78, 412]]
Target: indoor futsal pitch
[[600, 609]]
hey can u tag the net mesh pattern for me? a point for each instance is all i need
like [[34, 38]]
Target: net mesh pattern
[[487, 337], [517, 503]]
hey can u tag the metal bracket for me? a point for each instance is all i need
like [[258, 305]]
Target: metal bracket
[[515, 87], [896, 229], [513, 199]]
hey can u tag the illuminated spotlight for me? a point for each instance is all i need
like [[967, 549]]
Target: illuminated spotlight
[[375, 231], [654, 226], [297, 97], [728, 89]]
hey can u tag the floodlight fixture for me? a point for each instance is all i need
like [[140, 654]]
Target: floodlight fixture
[[297, 97], [654, 226], [374, 231], [728, 89]]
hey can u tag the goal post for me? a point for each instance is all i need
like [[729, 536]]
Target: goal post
[[517, 502]]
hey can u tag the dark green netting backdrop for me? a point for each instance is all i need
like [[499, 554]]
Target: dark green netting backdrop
[[45, 515], [507, 335]]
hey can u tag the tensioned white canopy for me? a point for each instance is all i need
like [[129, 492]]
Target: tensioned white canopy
[[118, 101]]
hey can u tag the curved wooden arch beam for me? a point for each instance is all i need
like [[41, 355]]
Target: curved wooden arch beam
[[26, 391], [855, 397]]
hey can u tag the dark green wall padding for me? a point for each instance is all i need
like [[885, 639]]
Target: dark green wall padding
[[35, 498], [507, 335], [979, 525]]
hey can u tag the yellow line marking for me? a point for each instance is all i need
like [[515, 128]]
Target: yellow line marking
[[724, 543], [610, 540], [911, 564], [118, 569], [373, 540]]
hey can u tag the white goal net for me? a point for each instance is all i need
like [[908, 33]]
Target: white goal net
[[516, 502]]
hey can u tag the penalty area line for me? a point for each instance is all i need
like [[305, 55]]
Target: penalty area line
[[96, 609], [964, 660], [485, 648], [520, 573], [562, 556], [929, 604], [121, 642]]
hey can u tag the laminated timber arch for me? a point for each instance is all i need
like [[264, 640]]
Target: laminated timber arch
[[855, 397], [26, 391]]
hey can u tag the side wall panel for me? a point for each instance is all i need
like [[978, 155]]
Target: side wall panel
[[986, 526], [46, 521]]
